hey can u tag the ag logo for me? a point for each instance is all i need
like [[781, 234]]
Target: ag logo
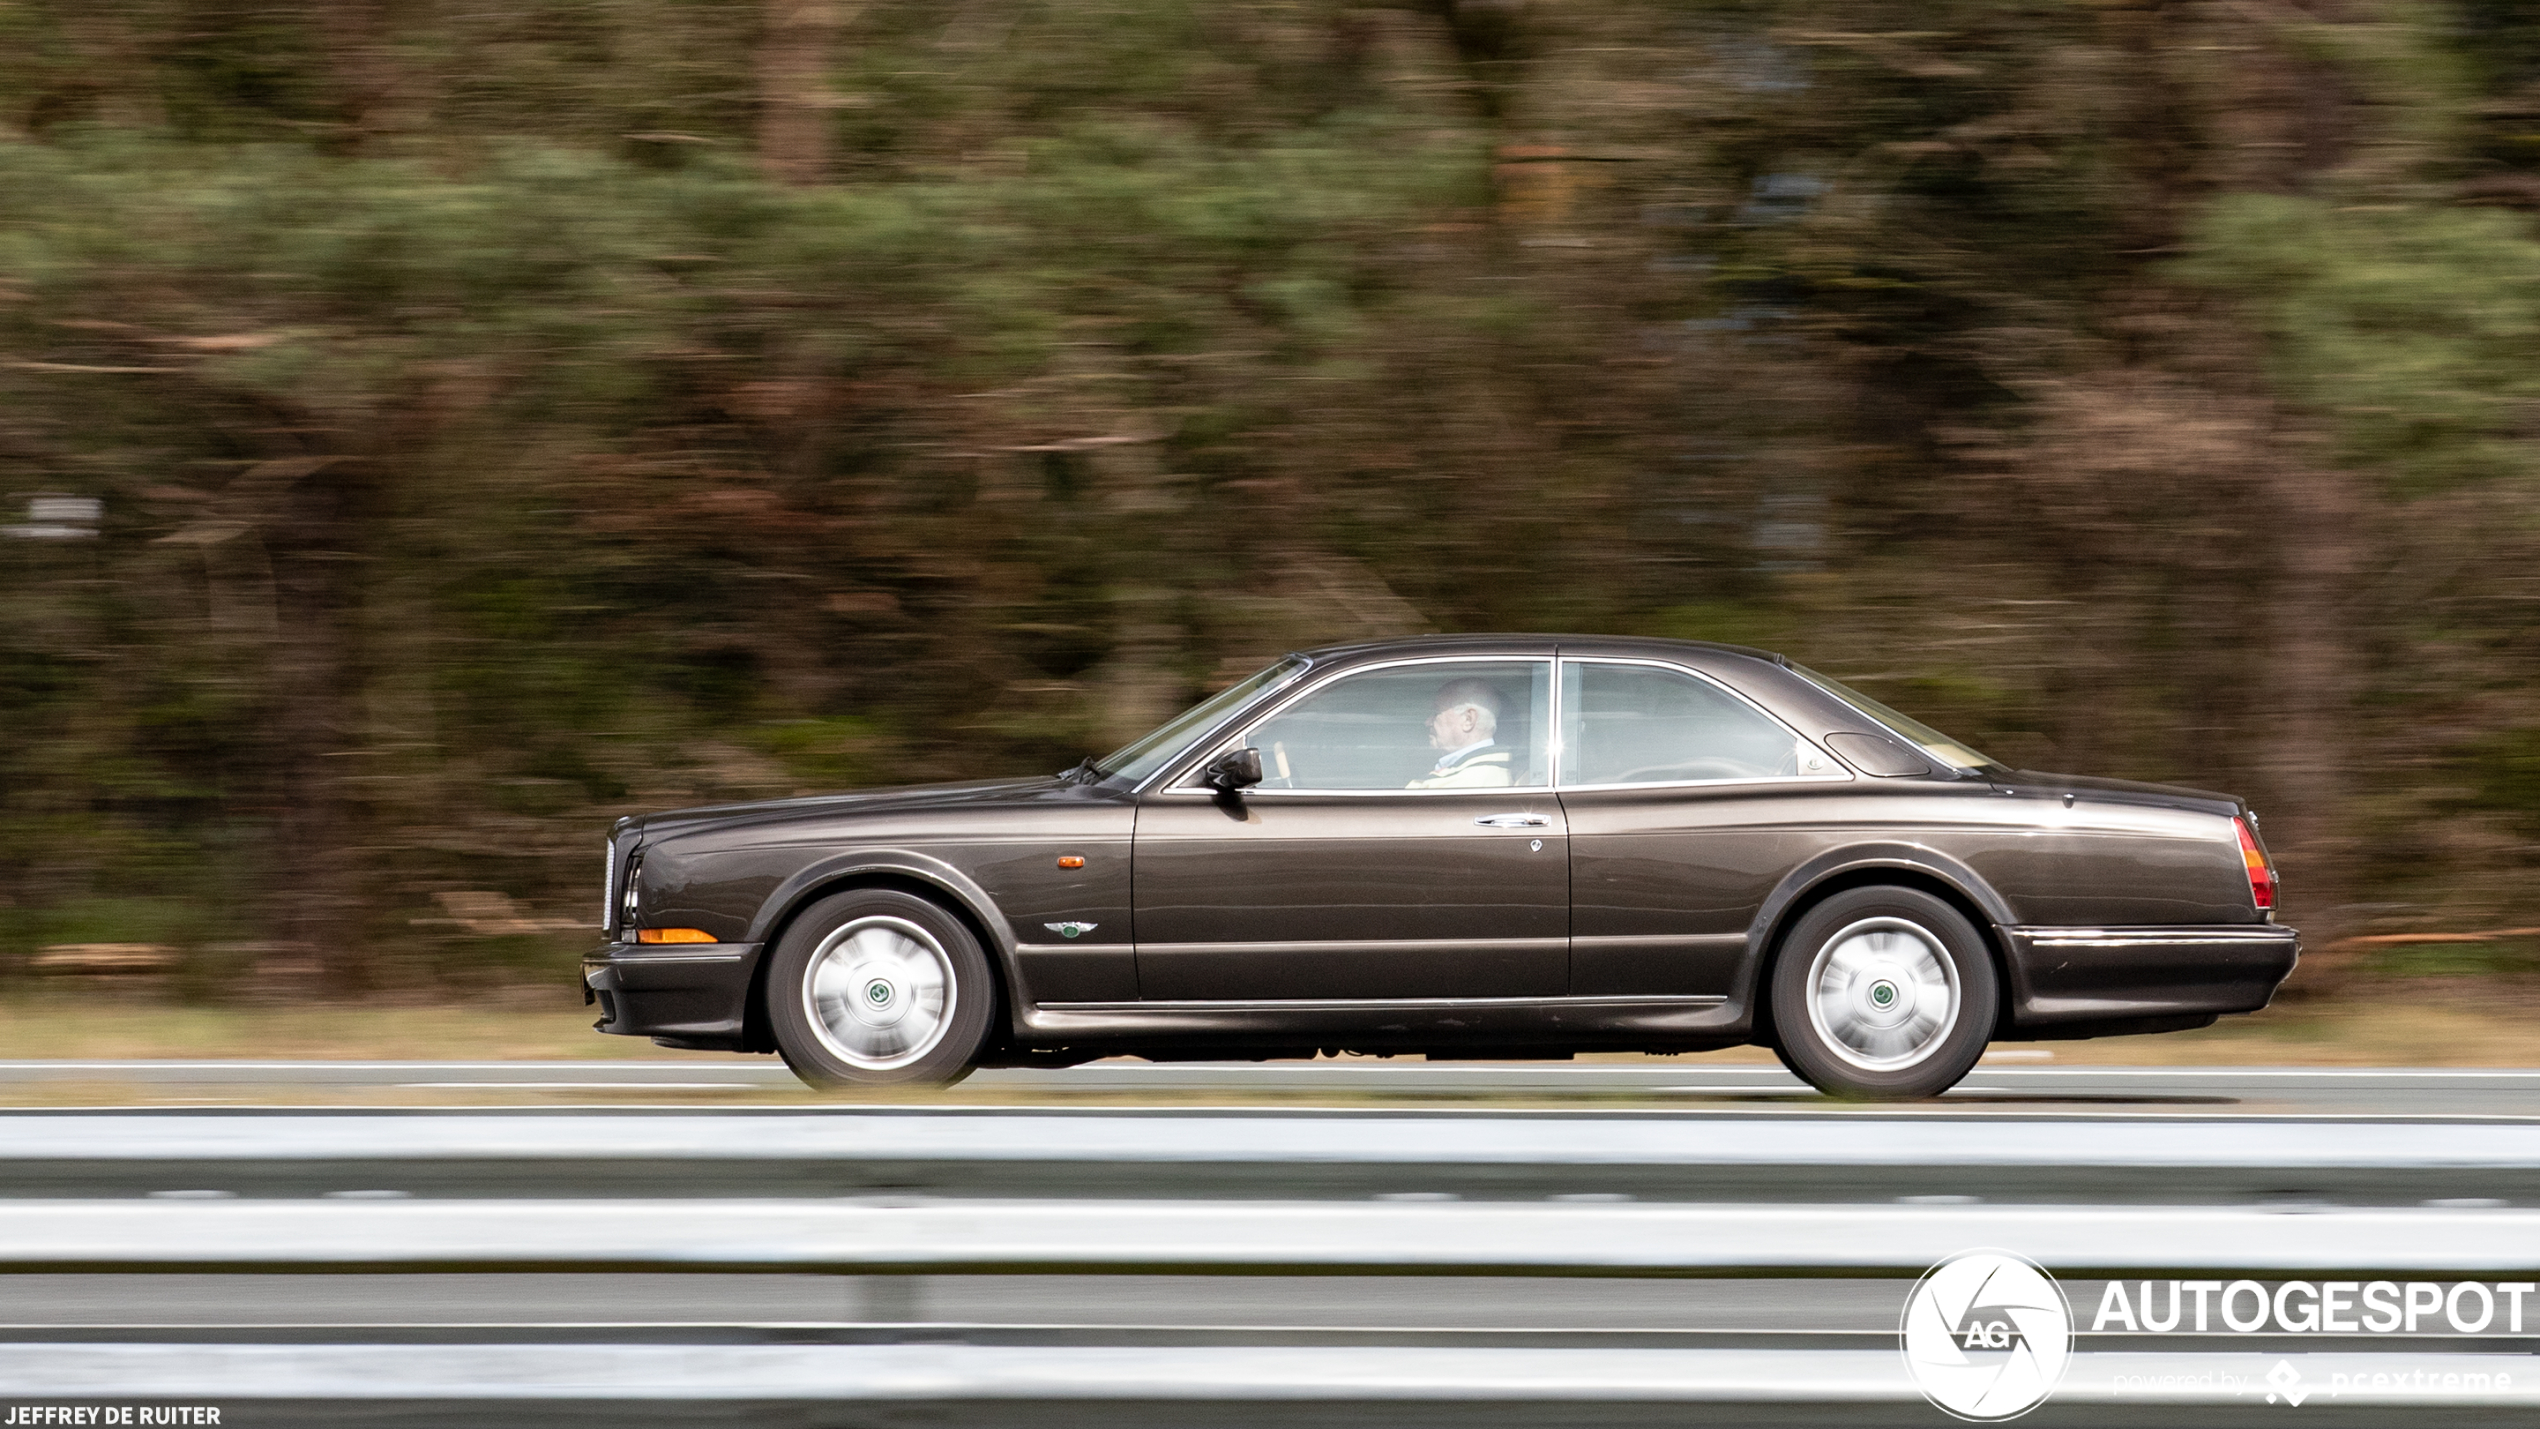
[[1987, 1335]]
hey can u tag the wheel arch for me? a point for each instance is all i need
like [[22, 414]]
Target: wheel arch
[[940, 886], [1920, 869]]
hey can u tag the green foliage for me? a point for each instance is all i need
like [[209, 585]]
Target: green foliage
[[1730, 622], [491, 447], [832, 753], [165, 920], [2502, 957], [2504, 770], [2414, 331]]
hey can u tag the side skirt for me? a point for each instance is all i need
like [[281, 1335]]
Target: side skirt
[[1425, 1024]]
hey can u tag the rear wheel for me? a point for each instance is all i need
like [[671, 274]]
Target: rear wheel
[[1883, 993], [877, 987]]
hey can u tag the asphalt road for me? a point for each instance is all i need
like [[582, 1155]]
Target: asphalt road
[[2007, 1087]]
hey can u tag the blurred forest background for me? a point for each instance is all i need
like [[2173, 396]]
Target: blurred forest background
[[433, 430]]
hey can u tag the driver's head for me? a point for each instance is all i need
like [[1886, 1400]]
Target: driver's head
[[1468, 713]]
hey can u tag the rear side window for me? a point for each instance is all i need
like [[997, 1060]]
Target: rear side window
[[1644, 724]]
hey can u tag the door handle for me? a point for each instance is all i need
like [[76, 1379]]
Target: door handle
[[1512, 821]]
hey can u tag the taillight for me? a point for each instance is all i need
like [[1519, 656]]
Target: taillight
[[2261, 877]]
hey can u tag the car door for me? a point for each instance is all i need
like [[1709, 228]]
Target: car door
[[1380, 859], [1686, 804]]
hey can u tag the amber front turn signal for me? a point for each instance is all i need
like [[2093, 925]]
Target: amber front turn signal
[[673, 935]]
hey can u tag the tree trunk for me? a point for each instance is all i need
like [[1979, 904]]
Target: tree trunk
[[794, 99], [2318, 516]]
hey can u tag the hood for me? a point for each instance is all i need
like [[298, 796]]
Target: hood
[[2131, 791], [970, 793]]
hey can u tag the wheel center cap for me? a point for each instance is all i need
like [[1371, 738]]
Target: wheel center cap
[[1883, 998], [877, 1001]]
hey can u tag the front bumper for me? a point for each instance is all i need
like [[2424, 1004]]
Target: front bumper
[[2087, 982], [685, 994]]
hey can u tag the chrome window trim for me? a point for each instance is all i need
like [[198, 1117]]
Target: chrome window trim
[[1176, 776], [1841, 773], [1504, 791]]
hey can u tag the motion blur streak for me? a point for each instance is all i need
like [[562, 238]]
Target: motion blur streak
[[431, 432], [428, 432]]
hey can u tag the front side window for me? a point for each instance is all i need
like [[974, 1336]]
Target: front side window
[[1644, 724], [1439, 724]]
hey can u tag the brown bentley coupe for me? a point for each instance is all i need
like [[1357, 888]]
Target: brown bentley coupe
[[1465, 846]]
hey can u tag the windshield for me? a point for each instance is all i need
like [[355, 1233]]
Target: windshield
[[1929, 740], [1135, 762]]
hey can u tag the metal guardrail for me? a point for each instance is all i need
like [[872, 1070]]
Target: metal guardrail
[[1133, 1228], [1287, 1154], [1202, 1236], [346, 1374]]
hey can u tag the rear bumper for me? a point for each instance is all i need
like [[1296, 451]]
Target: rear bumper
[[691, 994], [2080, 982]]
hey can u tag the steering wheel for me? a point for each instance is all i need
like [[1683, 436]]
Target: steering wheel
[[1690, 770]]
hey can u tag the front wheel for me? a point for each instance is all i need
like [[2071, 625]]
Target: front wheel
[[1883, 994], [876, 987]]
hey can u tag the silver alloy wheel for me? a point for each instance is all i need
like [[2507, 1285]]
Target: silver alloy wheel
[[880, 993], [1882, 994]]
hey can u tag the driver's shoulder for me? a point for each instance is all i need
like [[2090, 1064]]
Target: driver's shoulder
[[1482, 771]]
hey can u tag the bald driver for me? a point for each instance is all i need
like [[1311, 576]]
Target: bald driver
[[1464, 731]]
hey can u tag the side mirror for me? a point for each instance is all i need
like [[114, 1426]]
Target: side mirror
[[1232, 770]]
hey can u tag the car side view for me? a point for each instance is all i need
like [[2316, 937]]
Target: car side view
[[1457, 847]]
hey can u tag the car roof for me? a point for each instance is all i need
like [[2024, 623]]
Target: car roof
[[1530, 644]]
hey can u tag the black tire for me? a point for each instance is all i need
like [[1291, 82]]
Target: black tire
[[903, 996], [1781, 1054], [1883, 994]]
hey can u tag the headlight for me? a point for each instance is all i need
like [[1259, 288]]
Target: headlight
[[629, 903]]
